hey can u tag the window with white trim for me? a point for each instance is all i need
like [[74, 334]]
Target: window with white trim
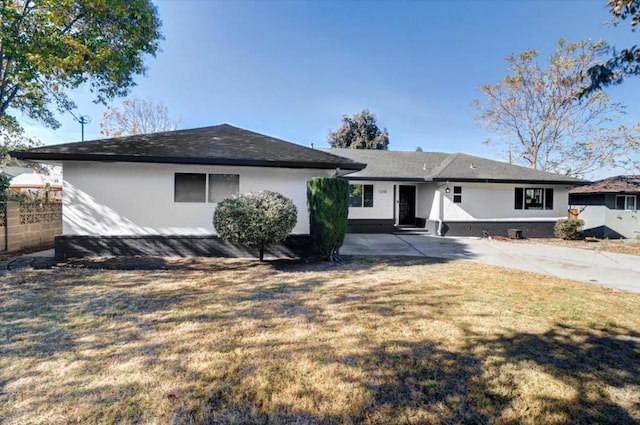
[[626, 202], [533, 198], [201, 187], [361, 196]]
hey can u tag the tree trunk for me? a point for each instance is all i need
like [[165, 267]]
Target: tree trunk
[[262, 253]]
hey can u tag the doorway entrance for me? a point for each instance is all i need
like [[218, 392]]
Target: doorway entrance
[[407, 205]]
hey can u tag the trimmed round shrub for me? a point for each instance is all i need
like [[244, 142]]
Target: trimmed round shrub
[[255, 219], [569, 228]]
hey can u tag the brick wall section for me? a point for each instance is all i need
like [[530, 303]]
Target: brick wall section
[[30, 225]]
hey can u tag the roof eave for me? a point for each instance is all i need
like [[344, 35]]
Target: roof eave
[[46, 156], [506, 180]]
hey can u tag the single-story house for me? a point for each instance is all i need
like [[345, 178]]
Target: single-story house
[[609, 207], [156, 193], [453, 194]]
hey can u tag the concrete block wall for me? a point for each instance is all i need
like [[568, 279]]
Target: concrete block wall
[[30, 225]]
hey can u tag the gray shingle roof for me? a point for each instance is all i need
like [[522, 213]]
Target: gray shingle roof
[[216, 145], [439, 166]]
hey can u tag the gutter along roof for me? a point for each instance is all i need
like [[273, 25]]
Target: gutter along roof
[[216, 145]]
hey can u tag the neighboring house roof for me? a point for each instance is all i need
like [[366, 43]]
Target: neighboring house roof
[[617, 184], [15, 171], [34, 181], [217, 145], [439, 166]]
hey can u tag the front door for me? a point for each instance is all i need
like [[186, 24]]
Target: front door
[[407, 205]]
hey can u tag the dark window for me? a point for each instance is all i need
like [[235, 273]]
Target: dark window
[[368, 196], [533, 198], [519, 198], [190, 187], [457, 197], [548, 199], [361, 195], [223, 186], [626, 202]]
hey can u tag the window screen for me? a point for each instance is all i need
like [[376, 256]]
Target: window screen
[[223, 186], [190, 187]]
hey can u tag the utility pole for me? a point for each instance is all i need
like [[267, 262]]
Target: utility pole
[[84, 119]]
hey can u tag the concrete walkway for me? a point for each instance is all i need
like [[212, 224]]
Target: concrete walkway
[[618, 271]]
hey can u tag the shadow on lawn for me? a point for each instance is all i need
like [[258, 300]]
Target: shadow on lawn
[[413, 382], [213, 265], [586, 360], [405, 381]]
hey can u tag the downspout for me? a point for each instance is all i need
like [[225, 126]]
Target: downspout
[[440, 212]]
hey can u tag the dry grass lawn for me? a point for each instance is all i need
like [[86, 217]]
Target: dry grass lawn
[[367, 341], [619, 246]]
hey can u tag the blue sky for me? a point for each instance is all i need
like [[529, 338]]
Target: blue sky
[[291, 69]]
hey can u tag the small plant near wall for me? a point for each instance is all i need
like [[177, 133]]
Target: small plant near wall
[[569, 228], [328, 204], [255, 219]]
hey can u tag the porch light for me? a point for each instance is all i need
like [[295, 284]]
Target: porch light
[[447, 190]]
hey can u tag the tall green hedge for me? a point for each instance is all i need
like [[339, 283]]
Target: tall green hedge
[[328, 205]]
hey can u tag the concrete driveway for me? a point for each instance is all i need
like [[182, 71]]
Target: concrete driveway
[[618, 271]]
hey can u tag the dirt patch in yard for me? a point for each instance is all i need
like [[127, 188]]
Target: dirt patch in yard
[[619, 246]]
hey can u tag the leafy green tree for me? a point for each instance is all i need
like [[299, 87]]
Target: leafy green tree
[[542, 123], [255, 219], [623, 63], [49, 47], [136, 116], [328, 205], [13, 139], [4, 191], [360, 131]]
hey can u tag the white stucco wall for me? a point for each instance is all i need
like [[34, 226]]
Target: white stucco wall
[[626, 223], [480, 201], [426, 201], [495, 201], [383, 202], [137, 199]]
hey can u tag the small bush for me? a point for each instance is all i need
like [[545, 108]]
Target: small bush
[[569, 229], [255, 219], [328, 205]]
